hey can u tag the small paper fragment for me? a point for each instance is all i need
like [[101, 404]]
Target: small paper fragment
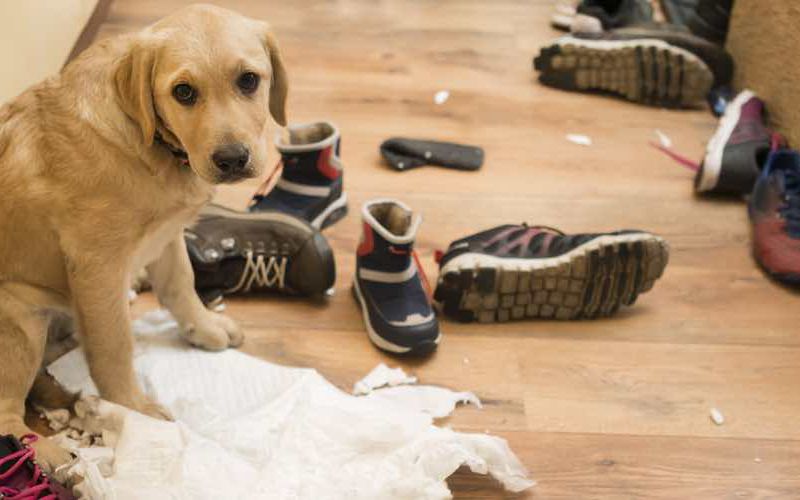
[[57, 419], [132, 295], [582, 140], [664, 139], [717, 417], [382, 376], [441, 97]]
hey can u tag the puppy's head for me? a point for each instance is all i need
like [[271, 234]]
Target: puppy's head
[[204, 80]]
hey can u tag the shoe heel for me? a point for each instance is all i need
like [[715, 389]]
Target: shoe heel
[[334, 217]]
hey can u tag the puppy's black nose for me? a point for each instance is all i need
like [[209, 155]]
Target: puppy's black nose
[[231, 158]]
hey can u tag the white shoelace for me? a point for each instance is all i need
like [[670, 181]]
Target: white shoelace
[[261, 272]]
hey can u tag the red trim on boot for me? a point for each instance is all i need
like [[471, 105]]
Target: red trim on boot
[[325, 166], [367, 244]]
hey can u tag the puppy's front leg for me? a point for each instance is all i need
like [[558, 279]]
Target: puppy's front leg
[[99, 291], [172, 279]]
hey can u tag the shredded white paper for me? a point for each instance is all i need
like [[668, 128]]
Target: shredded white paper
[[582, 140], [382, 376], [441, 97], [246, 428], [664, 139]]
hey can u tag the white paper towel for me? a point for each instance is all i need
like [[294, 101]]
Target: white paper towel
[[246, 428]]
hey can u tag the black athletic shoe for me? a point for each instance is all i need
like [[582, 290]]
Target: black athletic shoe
[[239, 253], [711, 19], [678, 11], [737, 150], [310, 186], [515, 272], [656, 64], [595, 16], [389, 285]]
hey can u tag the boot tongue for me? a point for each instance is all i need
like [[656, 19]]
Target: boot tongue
[[307, 134], [393, 217], [397, 221]]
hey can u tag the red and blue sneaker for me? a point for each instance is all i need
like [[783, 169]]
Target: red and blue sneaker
[[389, 283], [737, 149], [310, 186], [21, 478], [516, 271], [775, 215]]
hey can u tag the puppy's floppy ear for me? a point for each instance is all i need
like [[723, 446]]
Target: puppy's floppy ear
[[133, 81], [279, 85]]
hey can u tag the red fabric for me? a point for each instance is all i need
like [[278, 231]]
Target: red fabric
[[423, 277], [367, 244], [325, 166], [776, 250]]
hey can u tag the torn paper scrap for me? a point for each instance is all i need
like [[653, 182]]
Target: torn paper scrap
[[382, 376], [664, 139], [717, 417], [441, 97], [246, 428], [437, 402], [582, 140]]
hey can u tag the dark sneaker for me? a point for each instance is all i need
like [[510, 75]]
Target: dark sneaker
[[515, 272], [678, 11], [239, 253], [775, 216], [737, 149], [390, 285], [710, 20], [596, 16], [20, 477], [310, 186], [656, 65]]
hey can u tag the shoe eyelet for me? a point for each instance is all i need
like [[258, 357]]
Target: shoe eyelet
[[211, 254], [228, 243]]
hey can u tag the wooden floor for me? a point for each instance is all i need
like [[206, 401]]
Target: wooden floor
[[616, 408]]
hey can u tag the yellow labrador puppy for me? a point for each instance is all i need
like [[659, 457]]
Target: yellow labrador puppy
[[101, 167]]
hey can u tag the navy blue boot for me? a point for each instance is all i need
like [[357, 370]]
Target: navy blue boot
[[389, 284], [310, 186]]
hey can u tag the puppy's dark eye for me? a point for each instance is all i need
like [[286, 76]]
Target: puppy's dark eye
[[184, 94], [248, 82]]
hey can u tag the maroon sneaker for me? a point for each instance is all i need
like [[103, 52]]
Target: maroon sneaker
[[775, 215], [737, 149], [21, 478], [515, 272]]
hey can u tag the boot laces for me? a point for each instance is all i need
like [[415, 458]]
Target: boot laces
[[262, 272], [39, 483]]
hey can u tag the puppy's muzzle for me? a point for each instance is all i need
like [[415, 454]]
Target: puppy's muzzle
[[232, 160]]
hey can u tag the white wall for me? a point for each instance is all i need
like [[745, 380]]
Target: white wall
[[36, 36]]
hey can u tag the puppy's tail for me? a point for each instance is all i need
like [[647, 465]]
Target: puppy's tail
[[48, 393]]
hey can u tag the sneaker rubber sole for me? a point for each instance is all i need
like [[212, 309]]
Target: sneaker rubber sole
[[588, 282], [647, 71]]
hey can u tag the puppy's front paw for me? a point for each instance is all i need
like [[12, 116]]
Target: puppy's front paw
[[214, 332], [49, 455]]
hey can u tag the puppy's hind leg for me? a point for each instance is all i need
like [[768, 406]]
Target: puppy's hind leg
[[22, 339]]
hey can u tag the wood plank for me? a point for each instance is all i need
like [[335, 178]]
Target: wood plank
[[616, 408]]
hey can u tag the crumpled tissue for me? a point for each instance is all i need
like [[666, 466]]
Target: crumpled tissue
[[246, 428]]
